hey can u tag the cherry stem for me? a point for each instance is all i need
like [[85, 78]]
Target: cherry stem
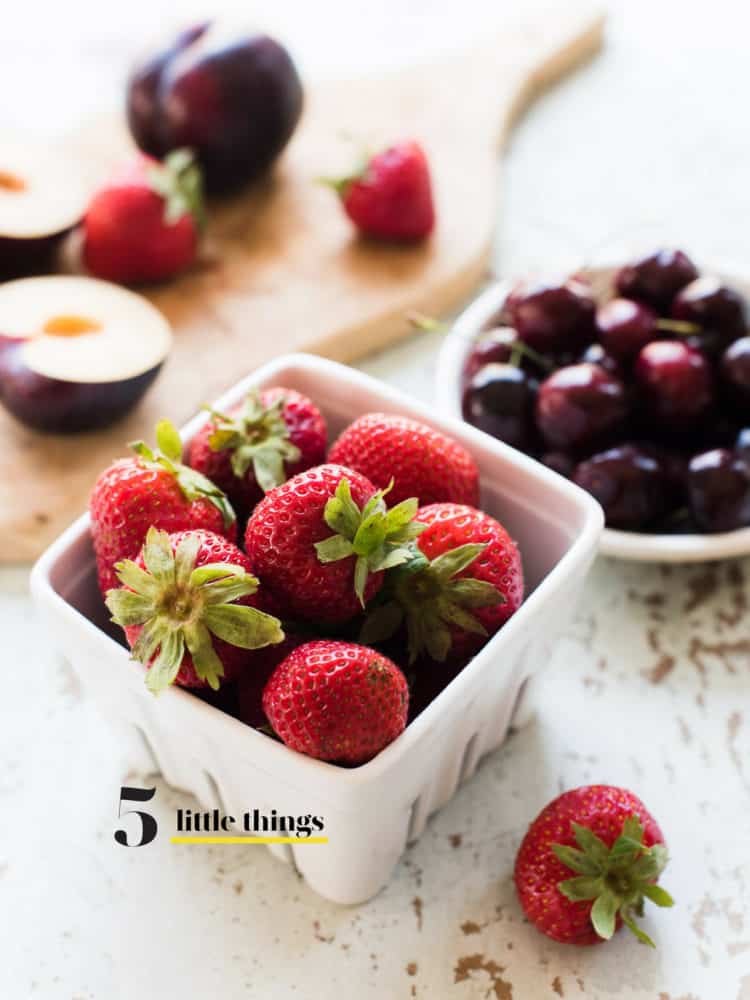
[[679, 326], [428, 324]]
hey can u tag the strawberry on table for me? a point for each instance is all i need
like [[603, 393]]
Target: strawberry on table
[[464, 584], [337, 701], [259, 444], [188, 605], [145, 224], [322, 541], [421, 461], [390, 197], [588, 862], [152, 488]]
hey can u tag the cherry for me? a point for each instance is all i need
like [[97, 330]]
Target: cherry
[[499, 400], [656, 278], [496, 345], [676, 381], [742, 444], [551, 318], [719, 490], [629, 483], [735, 370], [580, 406], [713, 306], [625, 326]]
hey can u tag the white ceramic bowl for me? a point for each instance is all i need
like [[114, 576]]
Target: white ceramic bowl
[[637, 546], [372, 811]]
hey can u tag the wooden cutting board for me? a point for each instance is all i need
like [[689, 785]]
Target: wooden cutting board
[[282, 270]]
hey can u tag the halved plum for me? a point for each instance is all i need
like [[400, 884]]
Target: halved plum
[[76, 353]]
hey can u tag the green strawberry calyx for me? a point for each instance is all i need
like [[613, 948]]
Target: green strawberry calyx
[[618, 879], [179, 181], [181, 606], [193, 484], [379, 539], [257, 436], [431, 597]]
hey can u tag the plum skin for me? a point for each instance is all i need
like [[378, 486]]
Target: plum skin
[[236, 106], [57, 406]]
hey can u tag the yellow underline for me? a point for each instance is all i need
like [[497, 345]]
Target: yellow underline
[[249, 840]]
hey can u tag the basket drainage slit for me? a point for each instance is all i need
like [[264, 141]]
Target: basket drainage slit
[[469, 759], [218, 798], [416, 820], [148, 750]]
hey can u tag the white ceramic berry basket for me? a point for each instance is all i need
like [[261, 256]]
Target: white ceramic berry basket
[[631, 545], [372, 811]]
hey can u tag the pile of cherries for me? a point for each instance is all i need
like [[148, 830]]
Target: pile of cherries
[[643, 400]]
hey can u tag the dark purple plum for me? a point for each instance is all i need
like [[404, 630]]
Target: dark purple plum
[[580, 407], [234, 101], [713, 306], [735, 372], [499, 400], [629, 483], [656, 278], [552, 318], [719, 490], [676, 382]]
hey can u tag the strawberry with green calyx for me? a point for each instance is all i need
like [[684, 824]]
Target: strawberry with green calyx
[[326, 583], [464, 582], [269, 437], [588, 863], [146, 223], [187, 607], [151, 488], [378, 539]]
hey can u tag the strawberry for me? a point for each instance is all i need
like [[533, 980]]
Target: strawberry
[[421, 461], [604, 838], [311, 573], [259, 444], [153, 488], [465, 582], [337, 701], [390, 197], [145, 224], [188, 605]]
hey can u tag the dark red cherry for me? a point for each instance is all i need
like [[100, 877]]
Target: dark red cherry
[[719, 490], [499, 400], [656, 279], [676, 382], [624, 326], [579, 407], [742, 444], [629, 483], [735, 371], [713, 306], [495, 345], [552, 318], [559, 462]]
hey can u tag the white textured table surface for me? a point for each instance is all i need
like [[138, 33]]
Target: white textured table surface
[[648, 688]]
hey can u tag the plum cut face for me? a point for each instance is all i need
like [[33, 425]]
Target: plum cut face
[[76, 353], [43, 192], [234, 98]]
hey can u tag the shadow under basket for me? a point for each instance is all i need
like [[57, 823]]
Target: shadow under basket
[[370, 812]]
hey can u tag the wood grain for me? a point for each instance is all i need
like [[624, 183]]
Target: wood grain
[[282, 270]]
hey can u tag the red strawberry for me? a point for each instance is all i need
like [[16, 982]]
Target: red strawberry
[[251, 682], [152, 489], [259, 444], [421, 461], [145, 224], [390, 198], [311, 573], [337, 701], [466, 582], [586, 864], [188, 607]]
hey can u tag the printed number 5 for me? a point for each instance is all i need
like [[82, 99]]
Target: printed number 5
[[148, 823]]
